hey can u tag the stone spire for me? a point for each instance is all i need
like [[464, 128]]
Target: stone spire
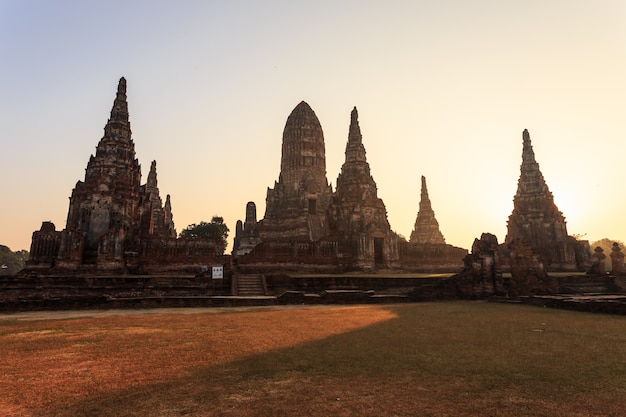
[[169, 217], [354, 134], [151, 189], [355, 151], [535, 218], [531, 181], [106, 203], [426, 228], [151, 184], [119, 112], [303, 151], [295, 208], [118, 125], [116, 146], [357, 213], [246, 234], [114, 223], [250, 215], [355, 182]]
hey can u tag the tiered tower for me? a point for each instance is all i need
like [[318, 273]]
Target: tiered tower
[[357, 212], [110, 212], [426, 228], [296, 206], [535, 218]]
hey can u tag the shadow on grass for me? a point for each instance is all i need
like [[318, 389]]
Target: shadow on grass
[[455, 358]]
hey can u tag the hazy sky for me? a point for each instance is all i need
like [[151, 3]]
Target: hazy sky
[[444, 89]]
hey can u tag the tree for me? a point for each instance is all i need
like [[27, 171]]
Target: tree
[[11, 262], [215, 230]]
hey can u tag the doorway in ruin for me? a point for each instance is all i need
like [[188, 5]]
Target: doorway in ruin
[[379, 259], [312, 206], [90, 254]]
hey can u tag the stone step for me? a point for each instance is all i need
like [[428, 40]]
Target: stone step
[[585, 287], [249, 285]]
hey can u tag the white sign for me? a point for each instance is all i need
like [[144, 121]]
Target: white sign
[[218, 272]]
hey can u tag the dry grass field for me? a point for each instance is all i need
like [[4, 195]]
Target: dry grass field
[[427, 359]]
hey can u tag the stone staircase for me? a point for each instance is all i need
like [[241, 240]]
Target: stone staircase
[[250, 285]]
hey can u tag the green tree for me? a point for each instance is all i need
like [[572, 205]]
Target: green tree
[[11, 262], [215, 230]]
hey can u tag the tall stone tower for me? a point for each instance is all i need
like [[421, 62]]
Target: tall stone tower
[[110, 211], [535, 218], [426, 228], [296, 206], [357, 212]]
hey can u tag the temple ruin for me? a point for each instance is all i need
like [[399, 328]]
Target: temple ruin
[[246, 233], [537, 221], [296, 206], [308, 227], [119, 245], [358, 217], [114, 223], [426, 228]]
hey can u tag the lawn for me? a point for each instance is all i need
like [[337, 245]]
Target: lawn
[[425, 359]]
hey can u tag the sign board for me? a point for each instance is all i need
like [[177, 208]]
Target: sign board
[[217, 272]]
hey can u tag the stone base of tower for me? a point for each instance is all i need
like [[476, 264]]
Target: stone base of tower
[[65, 252], [573, 256], [358, 254], [427, 257]]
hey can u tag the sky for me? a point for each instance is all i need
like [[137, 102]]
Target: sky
[[443, 88]]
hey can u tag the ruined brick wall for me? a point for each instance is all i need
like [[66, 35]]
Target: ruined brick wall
[[44, 248], [424, 256]]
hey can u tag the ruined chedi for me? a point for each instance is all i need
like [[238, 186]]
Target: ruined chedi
[[426, 229], [307, 226], [296, 206], [537, 221], [246, 233], [110, 211], [114, 223], [357, 214]]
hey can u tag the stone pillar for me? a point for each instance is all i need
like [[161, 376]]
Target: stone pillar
[[617, 260]]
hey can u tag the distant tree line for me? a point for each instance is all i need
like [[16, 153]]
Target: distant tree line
[[11, 262]]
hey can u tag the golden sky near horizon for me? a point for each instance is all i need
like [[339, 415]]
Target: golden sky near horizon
[[444, 89]]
